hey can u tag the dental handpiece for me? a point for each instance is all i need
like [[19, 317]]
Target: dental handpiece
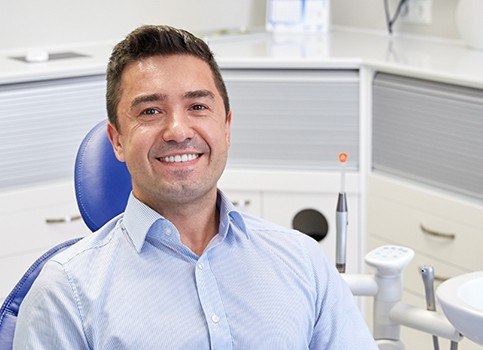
[[341, 228], [341, 221], [427, 273]]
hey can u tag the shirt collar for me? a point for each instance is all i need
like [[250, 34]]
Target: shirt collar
[[228, 213], [139, 218]]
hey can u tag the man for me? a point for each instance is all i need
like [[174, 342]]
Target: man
[[182, 268]]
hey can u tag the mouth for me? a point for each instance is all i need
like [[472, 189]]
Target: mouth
[[180, 158]]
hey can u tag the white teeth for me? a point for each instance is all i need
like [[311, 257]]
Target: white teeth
[[179, 158]]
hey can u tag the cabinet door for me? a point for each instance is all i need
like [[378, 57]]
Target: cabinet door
[[42, 125], [314, 213], [293, 119]]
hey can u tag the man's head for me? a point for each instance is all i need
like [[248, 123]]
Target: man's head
[[154, 40], [169, 117]]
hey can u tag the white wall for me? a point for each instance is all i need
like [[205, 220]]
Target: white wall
[[369, 14], [25, 23]]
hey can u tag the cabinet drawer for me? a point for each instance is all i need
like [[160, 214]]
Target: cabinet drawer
[[29, 230], [409, 227], [411, 217], [246, 201], [32, 218]]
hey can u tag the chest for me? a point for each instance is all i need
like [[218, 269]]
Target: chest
[[202, 305]]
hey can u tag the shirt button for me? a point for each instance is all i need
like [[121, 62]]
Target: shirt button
[[167, 231], [200, 266], [215, 318]]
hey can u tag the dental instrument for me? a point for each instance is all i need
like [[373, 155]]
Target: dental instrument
[[427, 273], [386, 286], [341, 219]]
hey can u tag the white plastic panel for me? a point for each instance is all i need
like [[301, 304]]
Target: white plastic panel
[[42, 125], [429, 132], [293, 119]]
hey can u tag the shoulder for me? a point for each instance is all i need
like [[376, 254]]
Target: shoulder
[[92, 242], [294, 246], [258, 227]]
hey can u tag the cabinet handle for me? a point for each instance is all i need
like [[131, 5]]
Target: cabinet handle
[[437, 234], [440, 278], [241, 204], [62, 220]]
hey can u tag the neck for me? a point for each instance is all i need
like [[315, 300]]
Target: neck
[[196, 222]]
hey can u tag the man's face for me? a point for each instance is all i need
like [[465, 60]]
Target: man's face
[[173, 132]]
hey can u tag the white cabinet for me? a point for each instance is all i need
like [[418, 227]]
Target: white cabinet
[[426, 187], [42, 124], [34, 219], [445, 232]]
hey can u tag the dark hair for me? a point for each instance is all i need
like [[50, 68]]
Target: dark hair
[[153, 40]]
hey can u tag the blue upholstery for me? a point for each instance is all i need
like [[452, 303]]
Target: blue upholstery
[[9, 310], [102, 186], [102, 183]]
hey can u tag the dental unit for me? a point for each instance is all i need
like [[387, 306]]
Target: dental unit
[[386, 286]]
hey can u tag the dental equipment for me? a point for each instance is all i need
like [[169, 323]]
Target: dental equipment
[[341, 220], [389, 312], [386, 286], [427, 274]]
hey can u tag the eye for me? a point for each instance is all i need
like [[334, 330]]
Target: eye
[[198, 107], [150, 111]]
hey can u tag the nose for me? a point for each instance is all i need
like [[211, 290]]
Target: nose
[[177, 128]]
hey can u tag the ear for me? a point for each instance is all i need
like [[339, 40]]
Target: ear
[[228, 128], [116, 141]]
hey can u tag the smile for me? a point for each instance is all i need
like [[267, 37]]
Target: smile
[[179, 158]]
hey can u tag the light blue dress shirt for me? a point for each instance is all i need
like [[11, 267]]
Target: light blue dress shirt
[[134, 285]]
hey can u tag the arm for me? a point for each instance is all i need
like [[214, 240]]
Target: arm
[[49, 316]]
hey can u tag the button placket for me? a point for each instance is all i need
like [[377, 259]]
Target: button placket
[[213, 309]]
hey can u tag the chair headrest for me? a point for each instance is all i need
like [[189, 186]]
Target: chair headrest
[[102, 183]]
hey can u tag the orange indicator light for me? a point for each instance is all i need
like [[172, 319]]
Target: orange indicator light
[[343, 157]]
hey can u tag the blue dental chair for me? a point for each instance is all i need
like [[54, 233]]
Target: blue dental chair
[[102, 187]]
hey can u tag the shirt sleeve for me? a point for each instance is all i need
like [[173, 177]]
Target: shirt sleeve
[[49, 317], [338, 323]]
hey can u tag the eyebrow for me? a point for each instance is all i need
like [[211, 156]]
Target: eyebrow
[[161, 97], [148, 98], [199, 93]]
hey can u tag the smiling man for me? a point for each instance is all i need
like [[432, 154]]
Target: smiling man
[[181, 268]]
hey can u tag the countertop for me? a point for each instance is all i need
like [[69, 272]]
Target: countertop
[[341, 48]]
